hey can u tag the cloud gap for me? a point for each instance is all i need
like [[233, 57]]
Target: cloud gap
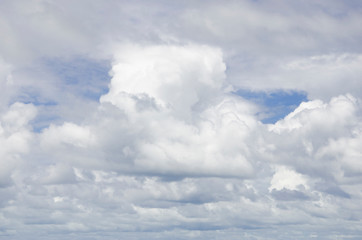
[[276, 104]]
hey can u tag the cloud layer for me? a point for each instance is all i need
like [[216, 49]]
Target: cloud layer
[[170, 149]]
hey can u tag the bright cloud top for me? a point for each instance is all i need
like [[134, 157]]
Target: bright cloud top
[[174, 103]]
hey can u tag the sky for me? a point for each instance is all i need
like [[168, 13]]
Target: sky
[[180, 119]]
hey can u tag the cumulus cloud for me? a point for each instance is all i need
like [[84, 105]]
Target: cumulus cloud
[[175, 77], [174, 100], [211, 152], [320, 124]]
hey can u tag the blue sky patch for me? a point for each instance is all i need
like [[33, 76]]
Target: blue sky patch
[[277, 104], [84, 77]]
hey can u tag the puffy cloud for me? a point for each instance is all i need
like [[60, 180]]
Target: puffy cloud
[[145, 161], [318, 142], [68, 133], [287, 179], [15, 138], [166, 94], [314, 126], [175, 77]]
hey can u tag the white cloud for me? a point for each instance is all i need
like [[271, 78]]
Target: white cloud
[[287, 179], [209, 162], [174, 77], [6, 82], [312, 127], [68, 133], [15, 138], [171, 107]]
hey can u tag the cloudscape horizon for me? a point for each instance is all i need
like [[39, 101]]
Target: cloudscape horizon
[[180, 119]]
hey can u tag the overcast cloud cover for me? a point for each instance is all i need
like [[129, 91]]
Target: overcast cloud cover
[[180, 119]]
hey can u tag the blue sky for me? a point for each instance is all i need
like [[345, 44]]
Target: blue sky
[[183, 120], [276, 104]]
